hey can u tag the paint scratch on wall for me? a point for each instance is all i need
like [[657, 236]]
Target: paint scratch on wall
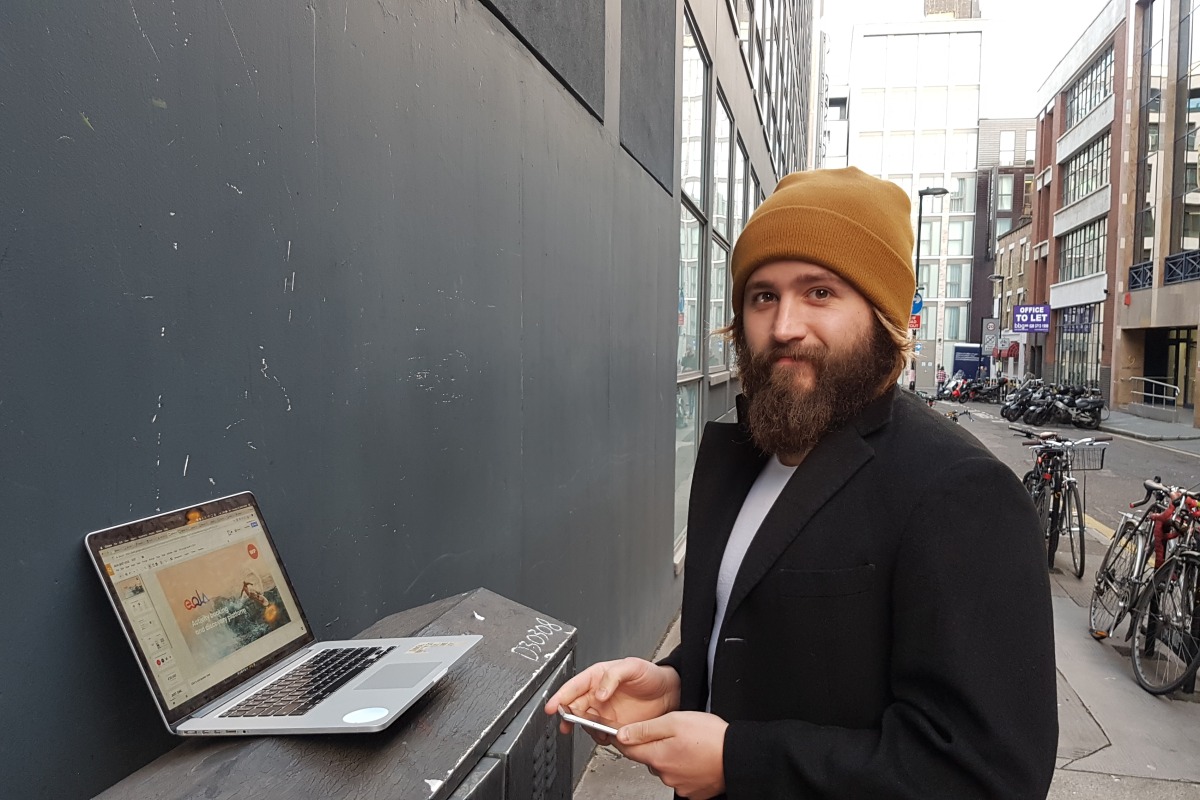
[[288, 257], [236, 189], [86, 121], [144, 36], [238, 422], [265, 373], [186, 459]]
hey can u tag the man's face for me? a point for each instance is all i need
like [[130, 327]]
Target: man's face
[[812, 354]]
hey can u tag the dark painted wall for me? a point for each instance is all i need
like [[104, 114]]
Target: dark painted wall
[[373, 262]]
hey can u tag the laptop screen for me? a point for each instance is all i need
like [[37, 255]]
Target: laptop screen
[[204, 599]]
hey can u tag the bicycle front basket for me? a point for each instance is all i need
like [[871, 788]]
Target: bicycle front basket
[[1088, 456]]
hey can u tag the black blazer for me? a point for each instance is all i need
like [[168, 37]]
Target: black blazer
[[889, 634]]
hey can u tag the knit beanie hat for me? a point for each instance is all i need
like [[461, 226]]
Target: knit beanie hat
[[844, 220]]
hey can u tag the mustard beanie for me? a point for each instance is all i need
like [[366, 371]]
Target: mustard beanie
[[844, 220]]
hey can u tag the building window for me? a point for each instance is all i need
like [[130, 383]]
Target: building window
[[721, 156], [739, 189], [1088, 171], [955, 328], [928, 329], [1004, 192], [927, 277], [959, 236], [931, 237], [1030, 147], [1091, 89], [962, 194], [688, 325], [695, 96], [718, 315], [1083, 251], [958, 281], [1077, 348], [1003, 226], [1008, 148]]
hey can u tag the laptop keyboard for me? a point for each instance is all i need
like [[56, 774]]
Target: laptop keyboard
[[309, 683]]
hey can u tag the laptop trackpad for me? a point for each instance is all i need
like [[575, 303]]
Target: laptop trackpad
[[399, 676]]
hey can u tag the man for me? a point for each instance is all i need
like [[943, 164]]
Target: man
[[853, 625], [941, 379]]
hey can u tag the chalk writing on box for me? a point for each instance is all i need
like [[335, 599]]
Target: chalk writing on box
[[536, 639]]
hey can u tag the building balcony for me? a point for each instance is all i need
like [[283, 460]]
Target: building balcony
[[1181, 267], [1141, 276]]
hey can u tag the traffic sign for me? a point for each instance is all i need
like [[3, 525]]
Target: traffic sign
[[918, 347], [914, 322], [918, 303]]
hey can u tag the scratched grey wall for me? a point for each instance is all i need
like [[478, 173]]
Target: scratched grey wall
[[374, 262]]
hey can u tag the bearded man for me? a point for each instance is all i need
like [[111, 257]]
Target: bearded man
[[855, 623]]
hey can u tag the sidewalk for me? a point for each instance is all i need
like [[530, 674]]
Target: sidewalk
[[1150, 430]]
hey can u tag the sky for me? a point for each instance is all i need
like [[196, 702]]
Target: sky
[[1023, 41]]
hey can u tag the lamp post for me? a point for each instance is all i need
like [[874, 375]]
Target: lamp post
[[935, 191]]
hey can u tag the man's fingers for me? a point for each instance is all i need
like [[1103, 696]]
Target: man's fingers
[[647, 731]]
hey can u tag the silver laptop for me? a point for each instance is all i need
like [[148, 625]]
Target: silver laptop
[[223, 642]]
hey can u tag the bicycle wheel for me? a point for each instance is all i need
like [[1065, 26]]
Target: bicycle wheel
[[1043, 502], [1073, 526], [1110, 592], [1165, 648], [1030, 481]]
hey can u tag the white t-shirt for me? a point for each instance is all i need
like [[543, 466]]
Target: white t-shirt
[[762, 496]]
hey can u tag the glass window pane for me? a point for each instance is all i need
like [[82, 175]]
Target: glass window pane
[[688, 326], [904, 182], [934, 59], [931, 108], [931, 152], [901, 109], [964, 107], [927, 281], [739, 191], [869, 110], [960, 155], [931, 237], [962, 194], [1030, 147], [934, 203], [686, 441], [720, 209], [869, 157], [964, 56], [902, 60], [1004, 199], [899, 152], [718, 317], [695, 81]]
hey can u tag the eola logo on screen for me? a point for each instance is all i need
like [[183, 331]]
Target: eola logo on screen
[[195, 601]]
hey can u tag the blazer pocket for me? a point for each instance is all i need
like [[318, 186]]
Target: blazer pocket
[[826, 582]]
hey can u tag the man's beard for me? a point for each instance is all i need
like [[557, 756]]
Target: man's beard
[[787, 419]]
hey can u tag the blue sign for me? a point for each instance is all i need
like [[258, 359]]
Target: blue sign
[[918, 303], [1031, 319]]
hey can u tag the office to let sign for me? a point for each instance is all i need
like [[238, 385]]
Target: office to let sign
[[1031, 319]]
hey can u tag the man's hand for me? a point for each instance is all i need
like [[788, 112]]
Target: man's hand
[[618, 693], [685, 749]]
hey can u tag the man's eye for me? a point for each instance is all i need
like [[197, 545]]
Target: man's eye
[[822, 294], [764, 297]]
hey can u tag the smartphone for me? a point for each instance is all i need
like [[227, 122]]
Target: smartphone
[[587, 723]]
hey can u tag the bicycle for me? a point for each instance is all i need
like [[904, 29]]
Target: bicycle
[[1054, 490], [1165, 627], [1122, 572]]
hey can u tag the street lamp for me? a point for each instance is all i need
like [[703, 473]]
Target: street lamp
[[931, 191]]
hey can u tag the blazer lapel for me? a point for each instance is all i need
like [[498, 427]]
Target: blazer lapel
[[822, 474], [716, 499]]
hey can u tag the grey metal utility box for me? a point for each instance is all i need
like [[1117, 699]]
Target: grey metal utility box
[[479, 734]]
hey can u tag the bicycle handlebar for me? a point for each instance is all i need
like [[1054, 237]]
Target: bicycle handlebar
[[1155, 487]]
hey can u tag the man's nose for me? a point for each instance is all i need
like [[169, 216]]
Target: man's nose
[[791, 323]]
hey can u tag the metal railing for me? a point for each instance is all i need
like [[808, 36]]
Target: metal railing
[[1155, 392], [1182, 267], [1141, 276]]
